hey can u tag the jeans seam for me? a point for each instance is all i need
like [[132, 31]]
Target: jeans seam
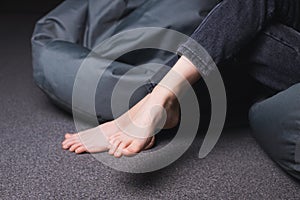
[[281, 41], [209, 14]]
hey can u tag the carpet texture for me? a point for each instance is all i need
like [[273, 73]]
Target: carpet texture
[[33, 165]]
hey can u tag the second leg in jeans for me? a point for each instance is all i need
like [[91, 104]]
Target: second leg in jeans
[[233, 25], [274, 57], [276, 120], [228, 28]]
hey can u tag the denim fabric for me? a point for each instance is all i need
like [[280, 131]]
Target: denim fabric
[[274, 58], [263, 37], [234, 25]]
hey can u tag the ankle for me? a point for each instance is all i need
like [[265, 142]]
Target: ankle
[[163, 96]]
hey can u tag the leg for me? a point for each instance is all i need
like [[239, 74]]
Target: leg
[[275, 121], [159, 109], [230, 27], [276, 126]]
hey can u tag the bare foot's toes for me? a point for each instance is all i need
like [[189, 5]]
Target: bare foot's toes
[[132, 149], [75, 146], [137, 146], [80, 149], [151, 143], [122, 146], [114, 146], [69, 138], [93, 140], [68, 135], [68, 143], [118, 142]]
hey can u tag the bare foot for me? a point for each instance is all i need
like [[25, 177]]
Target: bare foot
[[96, 139], [91, 140], [133, 131], [136, 135]]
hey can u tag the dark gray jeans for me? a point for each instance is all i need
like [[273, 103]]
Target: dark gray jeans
[[262, 35], [231, 28]]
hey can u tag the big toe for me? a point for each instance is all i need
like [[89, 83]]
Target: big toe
[[137, 146], [132, 149]]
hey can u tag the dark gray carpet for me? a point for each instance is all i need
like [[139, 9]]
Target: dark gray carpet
[[33, 165]]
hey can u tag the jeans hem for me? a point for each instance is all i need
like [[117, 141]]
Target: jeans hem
[[195, 57]]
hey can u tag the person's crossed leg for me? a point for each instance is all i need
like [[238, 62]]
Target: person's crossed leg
[[133, 131]]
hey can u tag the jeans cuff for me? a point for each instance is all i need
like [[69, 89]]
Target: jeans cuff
[[198, 56]]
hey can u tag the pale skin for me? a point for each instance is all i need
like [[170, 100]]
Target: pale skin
[[133, 131]]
